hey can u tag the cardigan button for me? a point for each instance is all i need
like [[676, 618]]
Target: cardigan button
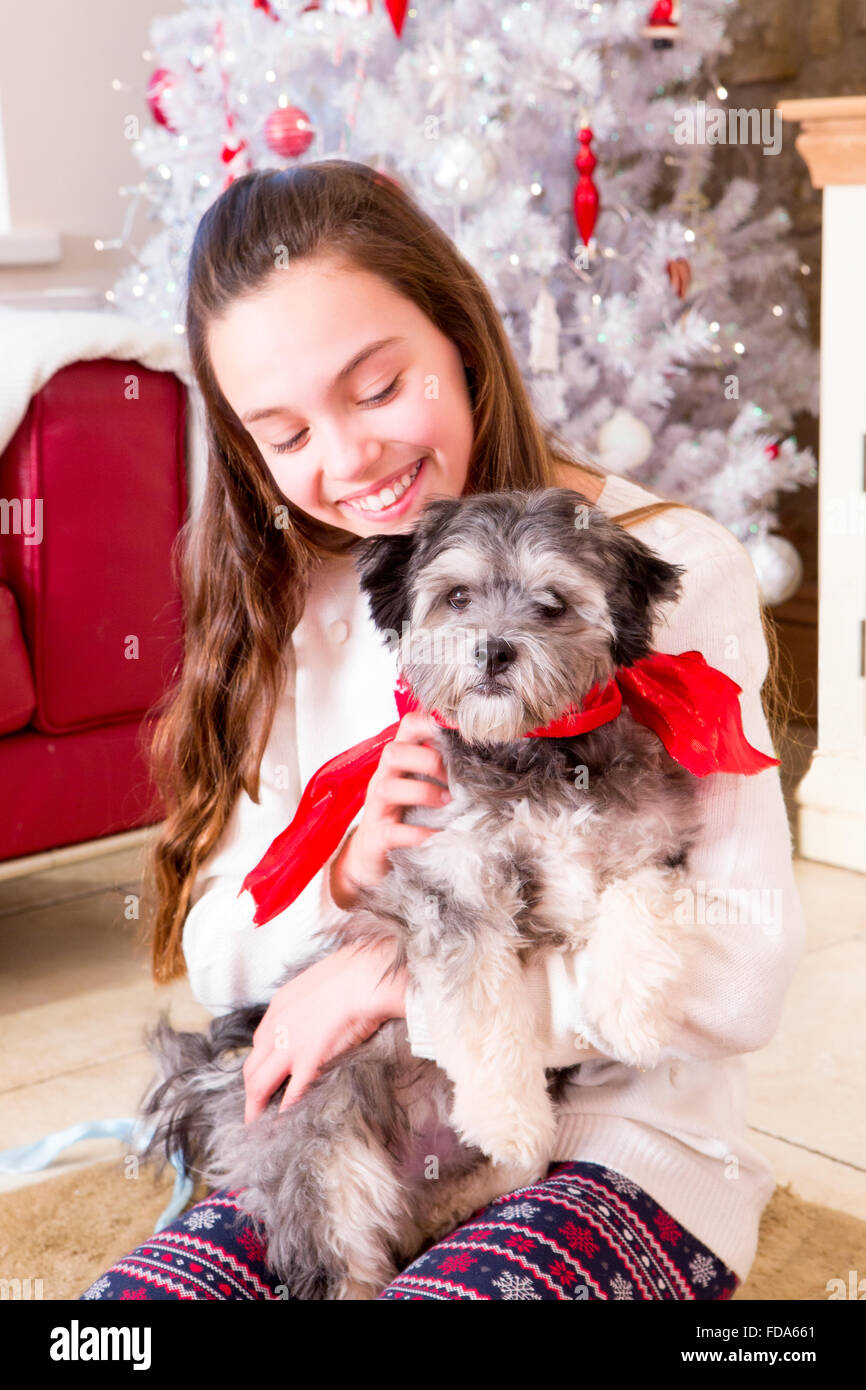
[[339, 630]]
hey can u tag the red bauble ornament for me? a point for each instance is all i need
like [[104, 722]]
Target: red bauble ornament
[[772, 450], [160, 81], [289, 131], [585, 193]]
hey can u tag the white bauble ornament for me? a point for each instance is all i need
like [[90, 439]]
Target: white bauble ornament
[[464, 167], [624, 441], [778, 567]]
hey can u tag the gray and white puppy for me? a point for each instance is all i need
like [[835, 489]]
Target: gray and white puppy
[[514, 604]]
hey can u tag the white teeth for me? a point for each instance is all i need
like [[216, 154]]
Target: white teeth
[[389, 495]]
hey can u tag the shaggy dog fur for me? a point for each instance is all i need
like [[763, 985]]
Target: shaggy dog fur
[[505, 607]]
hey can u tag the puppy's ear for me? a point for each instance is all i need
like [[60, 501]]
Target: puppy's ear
[[383, 564], [640, 583]]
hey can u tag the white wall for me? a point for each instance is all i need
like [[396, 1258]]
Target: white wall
[[66, 154]]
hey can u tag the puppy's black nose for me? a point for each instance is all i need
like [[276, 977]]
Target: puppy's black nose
[[499, 654]]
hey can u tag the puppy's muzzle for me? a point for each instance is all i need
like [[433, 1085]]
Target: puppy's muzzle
[[493, 657]]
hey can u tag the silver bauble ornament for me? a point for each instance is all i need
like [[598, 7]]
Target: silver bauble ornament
[[778, 567]]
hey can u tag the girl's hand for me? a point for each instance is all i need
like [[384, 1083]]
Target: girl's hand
[[364, 857], [324, 1011]]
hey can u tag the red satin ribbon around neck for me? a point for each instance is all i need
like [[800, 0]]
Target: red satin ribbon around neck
[[691, 706]]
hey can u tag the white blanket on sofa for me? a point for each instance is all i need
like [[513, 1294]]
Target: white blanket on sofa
[[34, 344]]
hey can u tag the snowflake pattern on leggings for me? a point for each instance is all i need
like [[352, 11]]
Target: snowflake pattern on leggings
[[201, 1219], [97, 1288], [583, 1232], [515, 1286]]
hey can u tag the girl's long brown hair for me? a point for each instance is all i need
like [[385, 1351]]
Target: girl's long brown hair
[[244, 578]]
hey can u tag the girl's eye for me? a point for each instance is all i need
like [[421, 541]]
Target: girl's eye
[[372, 400]]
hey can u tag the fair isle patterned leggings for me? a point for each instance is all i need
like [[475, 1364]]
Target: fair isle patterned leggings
[[583, 1232]]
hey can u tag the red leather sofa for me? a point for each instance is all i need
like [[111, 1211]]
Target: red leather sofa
[[90, 614]]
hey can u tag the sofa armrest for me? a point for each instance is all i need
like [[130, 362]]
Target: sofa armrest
[[17, 695], [100, 458]]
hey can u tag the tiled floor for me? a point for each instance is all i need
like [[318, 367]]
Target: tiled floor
[[75, 992]]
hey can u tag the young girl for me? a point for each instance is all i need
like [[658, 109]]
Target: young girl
[[353, 366]]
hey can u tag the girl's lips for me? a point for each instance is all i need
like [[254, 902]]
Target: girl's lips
[[396, 508]]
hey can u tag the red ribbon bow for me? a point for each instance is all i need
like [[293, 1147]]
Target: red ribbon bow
[[692, 706]]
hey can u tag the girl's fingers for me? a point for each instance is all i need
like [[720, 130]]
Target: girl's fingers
[[413, 753], [405, 791], [298, 1083], [264, 1047], [415, 727], [262, 1080], [402, 836], [412, 757]]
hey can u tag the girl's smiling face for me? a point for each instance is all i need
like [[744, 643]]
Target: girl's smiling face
[[346, 387]]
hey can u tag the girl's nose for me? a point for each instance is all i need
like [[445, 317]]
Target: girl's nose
[[353, 460]]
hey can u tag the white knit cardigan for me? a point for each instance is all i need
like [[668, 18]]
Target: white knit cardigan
[[678, 1130]]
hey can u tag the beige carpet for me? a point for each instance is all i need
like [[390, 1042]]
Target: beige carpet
[[66, 1231]]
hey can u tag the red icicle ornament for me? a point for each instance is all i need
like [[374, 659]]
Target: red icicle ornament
[[585, 192], [397, 12]]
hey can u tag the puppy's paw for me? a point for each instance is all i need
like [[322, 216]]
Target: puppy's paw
[[511, 1177], [630, 1040], [510, 1127], [520, 1151], [631, 976]]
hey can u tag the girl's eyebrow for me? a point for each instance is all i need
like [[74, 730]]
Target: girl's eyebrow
[[359, 357]]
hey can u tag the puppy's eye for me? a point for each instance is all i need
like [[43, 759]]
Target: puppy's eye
[[458, 598], [554, 607]]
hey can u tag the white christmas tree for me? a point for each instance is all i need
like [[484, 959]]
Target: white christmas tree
[[666, 339]]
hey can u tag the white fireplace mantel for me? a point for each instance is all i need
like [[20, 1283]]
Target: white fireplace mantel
[[832, 796]]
